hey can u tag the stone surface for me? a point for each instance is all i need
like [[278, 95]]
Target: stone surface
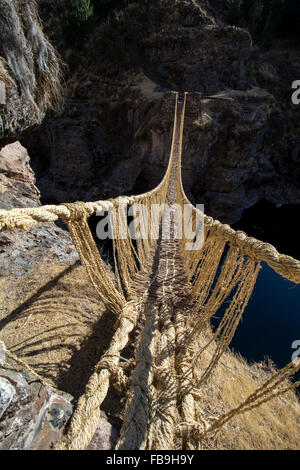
[[19, 250], [105, 437], [7, 393], [2, 353], [32, 415], [17, 181]]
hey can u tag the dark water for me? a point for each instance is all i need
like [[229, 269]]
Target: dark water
[[276, 225], [271, 321]]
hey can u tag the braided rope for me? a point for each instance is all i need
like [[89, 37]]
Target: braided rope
[[28, 217], [186, 402], [285, 265], [133, 433], [161, 384], [85, 419], [161, 431]]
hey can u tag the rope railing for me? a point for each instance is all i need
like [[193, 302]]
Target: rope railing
[[168, 296], [26, 218]]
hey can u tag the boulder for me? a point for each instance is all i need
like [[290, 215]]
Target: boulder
[[32, 414]]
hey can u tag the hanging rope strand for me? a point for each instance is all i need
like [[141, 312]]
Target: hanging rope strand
[[175, 292]]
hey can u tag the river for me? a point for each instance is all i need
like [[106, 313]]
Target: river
[[271, 321]]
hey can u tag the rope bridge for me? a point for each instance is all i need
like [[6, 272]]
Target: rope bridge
[[167, 294]]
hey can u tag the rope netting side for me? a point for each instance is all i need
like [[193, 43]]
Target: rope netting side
[[231, 318], [285, 265], [215, 283], [259, 251], [161, 397], [91, 259]]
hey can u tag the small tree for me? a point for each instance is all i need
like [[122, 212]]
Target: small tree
[[267, 19], [81, 11]]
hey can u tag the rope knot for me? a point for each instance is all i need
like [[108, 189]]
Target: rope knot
[[119, 379], [77, 210], [106, 363]]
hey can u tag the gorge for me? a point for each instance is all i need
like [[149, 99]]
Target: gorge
[[104, 134]]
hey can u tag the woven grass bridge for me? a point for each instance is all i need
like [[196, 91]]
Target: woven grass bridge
[[167, 293]]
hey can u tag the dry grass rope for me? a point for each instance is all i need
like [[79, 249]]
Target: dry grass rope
[[166, 294]]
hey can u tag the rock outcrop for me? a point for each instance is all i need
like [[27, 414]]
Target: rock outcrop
[[19, 249], [17, 180], [32, 414], [105, 436], [30, 70]]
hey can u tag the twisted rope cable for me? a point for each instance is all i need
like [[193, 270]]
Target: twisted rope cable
[[185, 398], [85, 419], [287, 266], [133, 433], [28, 217], [161, 431]]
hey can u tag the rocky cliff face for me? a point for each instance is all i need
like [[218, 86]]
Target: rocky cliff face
[[21, 250], [30, 70], [112, 137]]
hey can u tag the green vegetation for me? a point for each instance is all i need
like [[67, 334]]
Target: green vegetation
[[81, 16], [80, 11], [83, 11], [267, 19], [115, 27]]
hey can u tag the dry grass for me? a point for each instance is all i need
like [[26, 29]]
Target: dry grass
[[273, 425], [52, 318], [54, 321]]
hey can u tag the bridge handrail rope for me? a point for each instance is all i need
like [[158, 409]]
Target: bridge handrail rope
[[174, 293]]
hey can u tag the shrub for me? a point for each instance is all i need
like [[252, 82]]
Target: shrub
[[80, 11], [267, 19]]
